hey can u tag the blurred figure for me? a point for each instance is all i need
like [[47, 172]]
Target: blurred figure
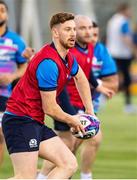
[[12, 64], [120, 45], [135, 40], [104, 69]]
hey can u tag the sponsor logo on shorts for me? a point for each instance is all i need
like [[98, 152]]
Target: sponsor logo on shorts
[[33, 143]]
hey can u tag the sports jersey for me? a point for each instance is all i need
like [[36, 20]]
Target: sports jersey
[[25, 99], [102, 65], [11, 48], [118, 27], [84, 59]]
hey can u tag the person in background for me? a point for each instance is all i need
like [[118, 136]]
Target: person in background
[[12, 63], [120, 45], [104, 69], [135, 40]]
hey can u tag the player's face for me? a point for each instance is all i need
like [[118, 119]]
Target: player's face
[[3, 15], [67, 34], [95, 35], [84, 30]]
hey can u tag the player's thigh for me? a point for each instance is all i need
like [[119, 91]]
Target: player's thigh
[[25, 164], [96, 140], [1, 136], [1, 133], [67, 138], [57, 152]]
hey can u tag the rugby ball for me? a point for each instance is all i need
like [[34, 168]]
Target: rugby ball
[[91, 126]]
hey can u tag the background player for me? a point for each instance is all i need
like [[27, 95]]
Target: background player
[[104, 69], [12, 64]]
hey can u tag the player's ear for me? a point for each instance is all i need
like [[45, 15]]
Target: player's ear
[[55, 32]]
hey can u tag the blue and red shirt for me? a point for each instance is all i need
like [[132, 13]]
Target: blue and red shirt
[[46, 71], [11, 48], [84, 59]]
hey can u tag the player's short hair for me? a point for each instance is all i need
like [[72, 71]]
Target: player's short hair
[[61, 18], [123, 7], [3, 3]]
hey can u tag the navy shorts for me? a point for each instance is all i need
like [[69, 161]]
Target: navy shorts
[[23, 134]]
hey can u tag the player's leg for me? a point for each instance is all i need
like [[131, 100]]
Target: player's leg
[[67, 138], [1, 145], [127, 83], [3, 101], [22, 136], [24, 165], [88, 155], [58, 153]]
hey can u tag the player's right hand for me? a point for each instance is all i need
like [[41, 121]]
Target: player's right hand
[[76, 124]]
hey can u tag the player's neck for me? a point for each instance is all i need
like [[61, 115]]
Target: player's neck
[[61, 50], [2, 29], [82, 45]]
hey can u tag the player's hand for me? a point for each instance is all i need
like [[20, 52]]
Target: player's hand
[[76, 125], [107, 92], [6, 78], [89, 111], [28, 53]]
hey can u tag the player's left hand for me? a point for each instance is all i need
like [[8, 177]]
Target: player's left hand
[[28, 53]]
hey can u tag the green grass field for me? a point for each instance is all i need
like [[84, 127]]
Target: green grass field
[[117, 157]]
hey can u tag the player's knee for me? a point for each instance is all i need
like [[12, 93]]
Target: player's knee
[[71, 165]]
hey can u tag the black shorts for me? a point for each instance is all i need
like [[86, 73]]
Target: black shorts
[[3, 101], [23, 134]]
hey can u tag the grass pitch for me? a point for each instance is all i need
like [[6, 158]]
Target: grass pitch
[[117, 157]]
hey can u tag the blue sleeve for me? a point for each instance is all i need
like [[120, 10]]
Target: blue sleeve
[[125, 28], [108, 66], [47, 75], [21, 47], [75, 68]]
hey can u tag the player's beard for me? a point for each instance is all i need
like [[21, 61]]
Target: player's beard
[[2, 23], [65, 45]]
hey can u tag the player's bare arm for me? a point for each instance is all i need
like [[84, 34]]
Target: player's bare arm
[[51, 108], [111, 82]]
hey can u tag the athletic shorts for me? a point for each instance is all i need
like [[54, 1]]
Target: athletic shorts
[[23, 134], [3, 101]]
